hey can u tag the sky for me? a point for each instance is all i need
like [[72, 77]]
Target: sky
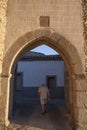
[[45, 49]]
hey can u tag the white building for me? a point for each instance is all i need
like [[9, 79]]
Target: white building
[[35, 68]]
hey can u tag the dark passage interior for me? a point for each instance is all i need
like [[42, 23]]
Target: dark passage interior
[[25, 109]]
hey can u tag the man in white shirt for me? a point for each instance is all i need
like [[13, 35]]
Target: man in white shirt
[[44, 94]]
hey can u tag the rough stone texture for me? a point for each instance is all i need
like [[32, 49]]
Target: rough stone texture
[[81, 99], [65, 35], [84, 5], [3, 99], [81, 93], [81, 123], [3, 10], [24, 17]]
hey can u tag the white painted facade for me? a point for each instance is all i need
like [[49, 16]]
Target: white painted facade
[[36, 72]]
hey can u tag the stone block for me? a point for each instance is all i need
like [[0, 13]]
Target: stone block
[[2, 115], [80, 115], [80, 99], [81, 126], [81, 85]]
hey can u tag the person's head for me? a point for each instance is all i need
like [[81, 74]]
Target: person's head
[[42, 84]]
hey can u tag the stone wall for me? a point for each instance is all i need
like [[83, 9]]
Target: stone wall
[[65, 18], [84, 5], [3, 11], [75, 78], [3, 20]]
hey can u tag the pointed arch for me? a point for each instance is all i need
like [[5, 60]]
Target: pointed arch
[[35, 38], [29, 41]]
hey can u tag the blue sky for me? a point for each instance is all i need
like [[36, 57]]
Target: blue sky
[[45, 49]]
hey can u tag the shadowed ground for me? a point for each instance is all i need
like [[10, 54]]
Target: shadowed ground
[[27, 116]]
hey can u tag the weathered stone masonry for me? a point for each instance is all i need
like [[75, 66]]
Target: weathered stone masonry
[[84, 5], [79, 77], [3, 12], [3, 20]]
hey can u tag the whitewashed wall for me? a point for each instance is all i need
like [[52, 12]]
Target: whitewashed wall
[[35, 72]]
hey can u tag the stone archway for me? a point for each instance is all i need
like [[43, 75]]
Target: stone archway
[[29, 41]]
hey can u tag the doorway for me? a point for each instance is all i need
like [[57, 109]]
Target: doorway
[[51, 81]]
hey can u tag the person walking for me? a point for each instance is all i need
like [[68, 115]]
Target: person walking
[[44, 95]]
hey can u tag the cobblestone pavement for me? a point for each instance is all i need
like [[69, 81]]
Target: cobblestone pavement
[[27, 116]]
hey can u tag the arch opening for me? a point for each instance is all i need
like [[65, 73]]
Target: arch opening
[[30, 41], [57, 93]]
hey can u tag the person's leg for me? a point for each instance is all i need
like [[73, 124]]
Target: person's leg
[[43, 105], [43, 108]]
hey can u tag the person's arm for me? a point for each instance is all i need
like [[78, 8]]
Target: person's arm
[[49, 95], [39, 94]]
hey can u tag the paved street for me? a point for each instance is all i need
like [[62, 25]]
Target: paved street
[[27, 116]]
